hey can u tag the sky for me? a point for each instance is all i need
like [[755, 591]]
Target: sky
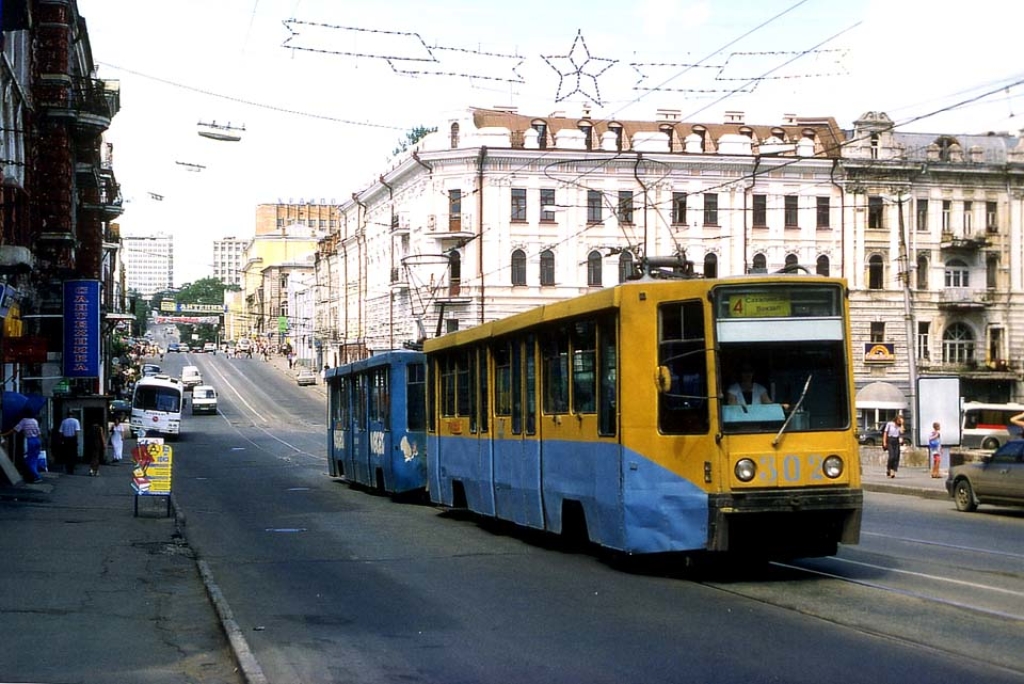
[[326, 89]]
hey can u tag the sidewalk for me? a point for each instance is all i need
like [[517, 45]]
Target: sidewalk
[[91, 593], [911, 480]]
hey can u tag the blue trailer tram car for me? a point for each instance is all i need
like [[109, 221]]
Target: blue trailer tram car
[[376, 421]]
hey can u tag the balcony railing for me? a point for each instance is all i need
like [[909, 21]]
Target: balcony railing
[[964, 298], [963, 242]]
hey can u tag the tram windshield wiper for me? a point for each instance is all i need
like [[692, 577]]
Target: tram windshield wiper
[[799, 403]]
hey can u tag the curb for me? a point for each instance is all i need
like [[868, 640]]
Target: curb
[[907, 490]]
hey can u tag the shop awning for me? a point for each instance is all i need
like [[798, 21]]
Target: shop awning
[[881, 395]]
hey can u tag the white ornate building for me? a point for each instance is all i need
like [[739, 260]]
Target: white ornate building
[[498, 212]]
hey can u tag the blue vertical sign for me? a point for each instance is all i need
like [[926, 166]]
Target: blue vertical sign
[[81, 328]]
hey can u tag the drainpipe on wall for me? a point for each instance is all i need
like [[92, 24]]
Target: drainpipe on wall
[[361, 276], [746, 193], [391, 265], [842, 216], [480, 222]]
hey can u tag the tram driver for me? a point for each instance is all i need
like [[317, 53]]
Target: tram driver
[[746, 392]]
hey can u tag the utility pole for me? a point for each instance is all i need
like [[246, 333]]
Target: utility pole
[[908, 316]]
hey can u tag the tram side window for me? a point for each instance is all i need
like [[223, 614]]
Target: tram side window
[[607, 385], [359, 402], [517, 387], [380, 397], [431, 396], [682, 404], [502, 379], [584, 356], [531, 385], [481, 355], [466, 388], [555, 379], [340, 393], [415, 396], [448, 378]]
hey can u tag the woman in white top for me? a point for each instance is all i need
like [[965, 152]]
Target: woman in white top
[[746, 391], [117, 430]]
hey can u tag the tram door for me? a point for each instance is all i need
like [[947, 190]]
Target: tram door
[[517, 466], [360, 451]]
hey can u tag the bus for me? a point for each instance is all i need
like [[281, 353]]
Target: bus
[[609, 416], [156, 406], [376, 422], [987, 426]]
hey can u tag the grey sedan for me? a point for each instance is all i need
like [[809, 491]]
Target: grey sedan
[[998, 479]]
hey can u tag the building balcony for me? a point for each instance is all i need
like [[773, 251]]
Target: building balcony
[[450, 226], [964, 299], [963, 243], [91, 103], [399, 279]]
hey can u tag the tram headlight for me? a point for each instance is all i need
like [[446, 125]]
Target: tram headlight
[[745, 470], [832, 467]]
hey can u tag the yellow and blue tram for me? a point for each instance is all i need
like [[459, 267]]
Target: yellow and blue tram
[[625, 415], [376, 422]]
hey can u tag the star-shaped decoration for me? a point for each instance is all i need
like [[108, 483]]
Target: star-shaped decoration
[[579, 64]]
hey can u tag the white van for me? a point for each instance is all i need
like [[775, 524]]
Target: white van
[[204, 399], [190, 377]]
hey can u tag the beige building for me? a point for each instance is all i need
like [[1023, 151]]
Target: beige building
[[315, 216]]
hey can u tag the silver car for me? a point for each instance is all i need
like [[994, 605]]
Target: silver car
[[997, 479]]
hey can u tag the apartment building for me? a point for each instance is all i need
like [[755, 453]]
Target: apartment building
[[148, 262], [228, 259]]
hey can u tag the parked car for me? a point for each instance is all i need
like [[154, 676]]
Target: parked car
[[120, 406], [870, 437], [149, 369], [305, 376], [173, 347], [204, 399], [997, 479], [191, 377], [210, 348]]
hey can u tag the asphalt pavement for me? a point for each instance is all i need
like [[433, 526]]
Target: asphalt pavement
[[93, 591]]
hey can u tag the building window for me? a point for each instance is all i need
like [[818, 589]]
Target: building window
[[760, 211], [991, 217], [922, 272], [679, 208], [542, 134], [947, 216], [710, 209], [625, 206], [594, 276], [760, 264], [588, 134], [876, 272], [792, 261], [594, 206], [626, 266], [710, 265], [792, 212], [875, 213], [822, 267], [547, 205], [454, 273], [958, 344], [922, 340], [957, 274], [454, 137], [823, 212], [616, 128], [519, 204], [968, 219], [454, 210], [547, 267], [992, 272], [877, 332], [519, 267], [922, 214]]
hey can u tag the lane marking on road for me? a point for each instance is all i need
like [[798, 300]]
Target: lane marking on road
[[945, 545], [937, 578]]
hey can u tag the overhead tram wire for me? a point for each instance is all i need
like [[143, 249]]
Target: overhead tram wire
[[252, 103]]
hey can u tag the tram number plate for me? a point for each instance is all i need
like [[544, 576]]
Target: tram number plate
[[791, 468]]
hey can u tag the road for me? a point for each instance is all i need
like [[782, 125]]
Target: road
[[332, 584]]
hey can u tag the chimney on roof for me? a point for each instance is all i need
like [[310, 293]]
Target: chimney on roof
[[789, 119], [586, 112], [733, 117], [669, 114]]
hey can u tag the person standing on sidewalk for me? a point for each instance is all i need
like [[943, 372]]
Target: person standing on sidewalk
[[29, 426], [891, 437], [68, 433], [935, 449], [96, 447], [117, 430]]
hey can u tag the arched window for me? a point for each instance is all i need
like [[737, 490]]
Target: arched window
[[454, 273], [616, 128], [594, 276], [455, 135], [518, 267], [876, 272], [541, 127], [670, 132], [823, 267], [957, 274], [547, 267], [710, 265], [625, 266], [922, 272], [588, 133], [760, 264], [792, 261], [958, 344]]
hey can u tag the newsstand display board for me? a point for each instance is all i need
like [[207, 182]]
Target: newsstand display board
[[152, 462]]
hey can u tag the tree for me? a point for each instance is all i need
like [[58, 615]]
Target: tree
[[411, 138]]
